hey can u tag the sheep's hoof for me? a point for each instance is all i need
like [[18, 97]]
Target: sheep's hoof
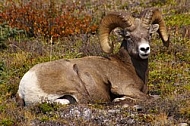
[[62, 101], [125, 101], [66, 99]]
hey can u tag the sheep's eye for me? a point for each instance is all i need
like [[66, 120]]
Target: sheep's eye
[[150, 36], [128, 37]]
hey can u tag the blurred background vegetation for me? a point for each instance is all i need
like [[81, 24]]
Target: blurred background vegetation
[[33, 31]]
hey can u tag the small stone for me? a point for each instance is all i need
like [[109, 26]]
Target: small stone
[[138, 107], [130, 121], [177, 84], [87, 114], [156, 97], [75, 112], [113, 111], [125, 105], [182, 124]]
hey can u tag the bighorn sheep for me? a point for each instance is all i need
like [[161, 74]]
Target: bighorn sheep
[[95, 78]]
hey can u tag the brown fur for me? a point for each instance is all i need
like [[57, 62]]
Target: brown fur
[[91, 79], [19, 100]]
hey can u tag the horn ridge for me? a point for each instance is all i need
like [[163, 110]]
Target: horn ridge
[[110, 22], [158, 19], [146, 18], [154, 16]]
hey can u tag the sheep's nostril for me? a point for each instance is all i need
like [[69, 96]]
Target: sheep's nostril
[[147, 48], [144, 49]]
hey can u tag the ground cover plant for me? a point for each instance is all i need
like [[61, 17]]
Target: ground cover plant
[[33, 32]]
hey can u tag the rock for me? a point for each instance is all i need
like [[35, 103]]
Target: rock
[[114, 111], [87, 114], [182, 124], [125, 105], [156, 97], [75, 112], [138, 107], [131, 121]]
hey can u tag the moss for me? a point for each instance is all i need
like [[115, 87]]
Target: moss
[[185, 109], [178, 20], [6, 122]]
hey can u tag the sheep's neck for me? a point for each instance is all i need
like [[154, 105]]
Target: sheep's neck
[[141, 67]]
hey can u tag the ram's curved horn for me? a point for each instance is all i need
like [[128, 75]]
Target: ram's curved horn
[[110, 22], [154, 16]]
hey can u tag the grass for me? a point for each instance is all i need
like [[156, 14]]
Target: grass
[[169, 74]]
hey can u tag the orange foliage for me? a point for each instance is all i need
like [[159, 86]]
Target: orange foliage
[[47, 18]]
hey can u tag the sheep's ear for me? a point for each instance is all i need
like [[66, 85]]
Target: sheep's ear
[[153, 28]]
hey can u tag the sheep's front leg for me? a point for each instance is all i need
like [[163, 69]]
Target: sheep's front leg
[[130, 95]]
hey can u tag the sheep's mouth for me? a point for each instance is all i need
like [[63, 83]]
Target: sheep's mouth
[[144, 56]]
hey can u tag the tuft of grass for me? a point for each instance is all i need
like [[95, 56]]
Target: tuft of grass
[[46, 107], [185, 110], [6, 122]]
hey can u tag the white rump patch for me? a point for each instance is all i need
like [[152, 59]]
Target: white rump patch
[[30, 91]]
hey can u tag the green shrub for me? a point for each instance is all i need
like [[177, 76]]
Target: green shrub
[[6, 122], [178, 20], [7, 32], [47, 107]]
